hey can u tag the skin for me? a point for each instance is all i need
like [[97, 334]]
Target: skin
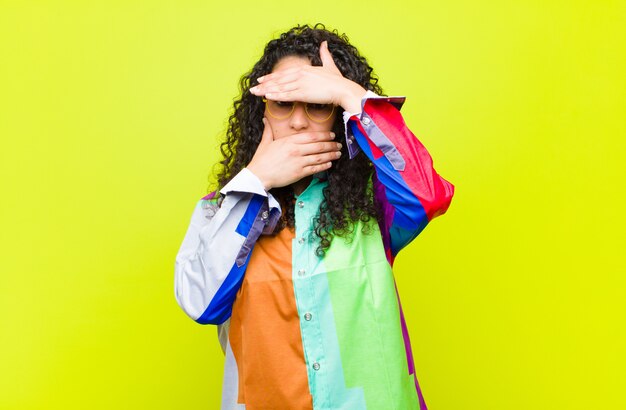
[[293, 149]]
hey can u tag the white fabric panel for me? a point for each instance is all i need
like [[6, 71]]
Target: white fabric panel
[[230, 386], [211, 245], [245, 181]]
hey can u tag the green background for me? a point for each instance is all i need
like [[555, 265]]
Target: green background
[[110, 117]]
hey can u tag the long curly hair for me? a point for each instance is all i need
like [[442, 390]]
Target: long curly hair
[[348, 197]]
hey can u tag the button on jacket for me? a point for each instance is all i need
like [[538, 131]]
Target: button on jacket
[[301, 331]]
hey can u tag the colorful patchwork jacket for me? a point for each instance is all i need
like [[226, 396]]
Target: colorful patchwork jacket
[[301, 331]]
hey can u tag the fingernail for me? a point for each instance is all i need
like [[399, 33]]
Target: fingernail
[[339, 145], [259, 80], [253, 89], [332, 135]]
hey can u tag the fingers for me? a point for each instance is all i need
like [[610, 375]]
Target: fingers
[[285, 80], [314, 151], [279, 88], [314, 169], [288, 73], [319, 147], [319, 159], [280, 77], [312, 136], [268, 135], [317, 150], [327, 59], [292, 95], [288, 85], [285, 91], [276, 84]]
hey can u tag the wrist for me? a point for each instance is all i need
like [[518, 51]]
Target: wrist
[[352, 96], [262, 179]]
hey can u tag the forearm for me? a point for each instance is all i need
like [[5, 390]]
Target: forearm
[[351, 95], [406, 184], [212, 259]]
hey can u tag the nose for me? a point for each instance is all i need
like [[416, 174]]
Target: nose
[[299, 120]]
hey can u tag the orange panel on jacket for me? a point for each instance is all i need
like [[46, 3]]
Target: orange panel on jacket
[[265, 326]]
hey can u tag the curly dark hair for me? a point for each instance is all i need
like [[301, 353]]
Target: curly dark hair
[[348, 196]]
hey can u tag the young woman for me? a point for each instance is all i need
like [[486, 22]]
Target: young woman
[[322, 184]]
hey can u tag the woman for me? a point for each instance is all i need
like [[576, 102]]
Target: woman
[[322, 184]]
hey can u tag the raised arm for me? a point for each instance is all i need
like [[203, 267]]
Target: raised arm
[[212, 259], [407, 187]]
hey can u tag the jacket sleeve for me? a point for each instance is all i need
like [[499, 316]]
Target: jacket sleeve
[[406, 186], [212, 259]]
